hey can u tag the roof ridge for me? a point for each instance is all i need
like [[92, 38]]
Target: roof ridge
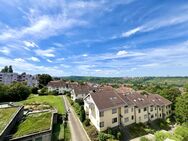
[[120, 97]]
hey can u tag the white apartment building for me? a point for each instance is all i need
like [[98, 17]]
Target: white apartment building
[[108, 108], [8, 78]]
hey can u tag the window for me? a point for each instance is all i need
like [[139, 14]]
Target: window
[[151, 116], [139, 119], [101, 114], [102, 124], [145, 109], [126, 110], [155, 108], [159, 109], [114, 111], [131, 109], [126, 119], [114, 120], [160, 115], [132, 117], [145, 116], [38, 139], [139, 110], [151, 108], [155, 115]]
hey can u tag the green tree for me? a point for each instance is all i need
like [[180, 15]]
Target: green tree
[[183, 132], [5, 69], [181, 108], [82, 114], [43, 91], [44, 79], [34, 90], [18, 91], [171, 93], [186, 87], [10, 70]]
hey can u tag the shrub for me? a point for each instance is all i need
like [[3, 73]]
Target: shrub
[[79, 101], [102, 137], [43, 91], [119, 135], [34, 90], [161, 136], [87, 122], [82, 114]]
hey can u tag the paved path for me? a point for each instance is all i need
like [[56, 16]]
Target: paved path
[[77, 131]]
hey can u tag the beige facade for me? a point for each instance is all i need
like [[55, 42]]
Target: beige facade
[[123, 115]]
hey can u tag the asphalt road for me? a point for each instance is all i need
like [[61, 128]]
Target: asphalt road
[[77, 131]]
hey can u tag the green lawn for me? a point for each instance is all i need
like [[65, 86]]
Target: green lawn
[[5, 116], [34, 123], [54, 101]]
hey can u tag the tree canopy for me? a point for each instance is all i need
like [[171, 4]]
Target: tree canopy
[[7, 69], [44, 79], [181, 108], [14, 92]]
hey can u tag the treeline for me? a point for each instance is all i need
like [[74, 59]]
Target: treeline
[[176, 81], [7, 69], [14, 92]]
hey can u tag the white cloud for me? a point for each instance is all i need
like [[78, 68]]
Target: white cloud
[[23, 66], [60, 59], [45, 53], [131, 32], [5, 51], [85, 55], [122, 53], [48, 60], [64, 66], [151, 65], [30, 44], [19, 60], [35, 59]]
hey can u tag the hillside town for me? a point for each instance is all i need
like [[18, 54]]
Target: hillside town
[[93, 70], [105, 109]]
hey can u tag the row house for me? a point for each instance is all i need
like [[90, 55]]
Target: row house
[[106, 107], [77, 91]]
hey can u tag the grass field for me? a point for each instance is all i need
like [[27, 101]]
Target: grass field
[[34, 123], [5, 116], [54, 101]]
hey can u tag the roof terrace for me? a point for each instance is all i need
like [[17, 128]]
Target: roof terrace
[[6, 115], [34, 123]]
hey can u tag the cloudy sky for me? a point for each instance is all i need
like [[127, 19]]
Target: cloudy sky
[[95, 38]]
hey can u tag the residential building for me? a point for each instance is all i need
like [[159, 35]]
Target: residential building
[[8, 78], [106, 107], [59, 86], [77, 91]]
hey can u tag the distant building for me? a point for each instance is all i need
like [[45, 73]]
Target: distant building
[[77, 91], [8, 78], [108, 108]]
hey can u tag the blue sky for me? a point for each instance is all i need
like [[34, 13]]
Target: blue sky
[[95, 38]]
